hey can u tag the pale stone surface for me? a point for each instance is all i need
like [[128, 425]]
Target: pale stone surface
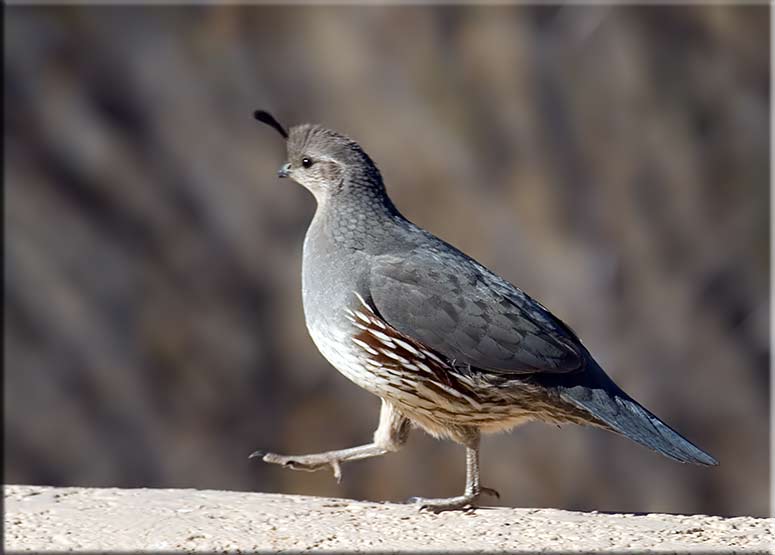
[[58, 519]]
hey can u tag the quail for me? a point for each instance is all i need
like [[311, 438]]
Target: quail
[[446, 344]]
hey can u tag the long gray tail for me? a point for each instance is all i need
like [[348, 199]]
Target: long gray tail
[[616, 410]]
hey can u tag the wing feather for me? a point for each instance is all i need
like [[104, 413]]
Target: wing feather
[[458, 308]]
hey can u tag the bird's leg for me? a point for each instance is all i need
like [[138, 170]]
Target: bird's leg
[[391, 434], [474, 489]]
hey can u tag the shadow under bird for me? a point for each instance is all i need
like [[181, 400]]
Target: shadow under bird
[[445, 343]]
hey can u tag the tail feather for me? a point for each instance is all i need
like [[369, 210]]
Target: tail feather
[[621, 414], [597, 395]]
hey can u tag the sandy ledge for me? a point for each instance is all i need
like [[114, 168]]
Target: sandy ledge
[[41, 518]]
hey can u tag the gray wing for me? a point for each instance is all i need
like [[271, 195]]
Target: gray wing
[[457, 307]]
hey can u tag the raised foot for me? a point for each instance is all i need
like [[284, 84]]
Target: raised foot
[[308, 463], [467, 501]]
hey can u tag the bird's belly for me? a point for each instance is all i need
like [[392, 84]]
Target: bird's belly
[[334, 344], [435, 407]]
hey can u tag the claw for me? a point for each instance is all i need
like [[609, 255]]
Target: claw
[[337, 470], [257, 453], [490, 491], [435, 506]]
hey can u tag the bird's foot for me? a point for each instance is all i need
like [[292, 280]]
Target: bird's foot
[[467, 501], [308, 463]]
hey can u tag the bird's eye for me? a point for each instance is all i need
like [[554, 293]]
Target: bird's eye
[[306, 162]]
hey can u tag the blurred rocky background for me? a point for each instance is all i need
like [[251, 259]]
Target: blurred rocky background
[[611, 161]]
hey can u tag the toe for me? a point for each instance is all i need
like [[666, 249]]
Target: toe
[[490, 491], [441, 505]]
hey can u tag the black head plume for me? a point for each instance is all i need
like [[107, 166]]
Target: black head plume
[[267, 118]]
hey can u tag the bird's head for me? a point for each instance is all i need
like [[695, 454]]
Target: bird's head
[[325, 162]]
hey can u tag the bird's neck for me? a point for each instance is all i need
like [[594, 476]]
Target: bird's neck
[[358, 217]]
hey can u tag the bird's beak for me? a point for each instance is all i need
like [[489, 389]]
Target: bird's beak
[[285, 170]]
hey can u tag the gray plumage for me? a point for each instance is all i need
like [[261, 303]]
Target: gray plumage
[[443, 341]]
